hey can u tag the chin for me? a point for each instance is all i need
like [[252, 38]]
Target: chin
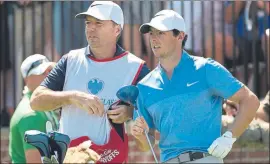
[[156, 54], [93, 45]]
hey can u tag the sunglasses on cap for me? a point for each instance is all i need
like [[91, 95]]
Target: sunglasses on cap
[[36, 64]]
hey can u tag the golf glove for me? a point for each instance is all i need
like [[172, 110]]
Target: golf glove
[[222, 145]]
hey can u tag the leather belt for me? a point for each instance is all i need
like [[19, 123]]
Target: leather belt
[[189, 156]]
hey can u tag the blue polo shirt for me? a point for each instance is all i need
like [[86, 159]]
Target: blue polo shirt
[[187, 109]]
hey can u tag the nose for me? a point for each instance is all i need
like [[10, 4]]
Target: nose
[[154, 41], [153, 38], [92, 27]]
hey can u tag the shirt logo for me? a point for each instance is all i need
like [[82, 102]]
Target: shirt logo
[[190, 84], [95, 85]]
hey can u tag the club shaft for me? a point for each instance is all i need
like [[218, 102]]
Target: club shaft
[[42, 160], [148, 140]]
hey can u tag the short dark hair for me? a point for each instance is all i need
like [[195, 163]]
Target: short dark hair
[[176, 33]]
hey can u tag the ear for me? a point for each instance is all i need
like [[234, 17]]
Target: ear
[[181, 36], [118, 30]]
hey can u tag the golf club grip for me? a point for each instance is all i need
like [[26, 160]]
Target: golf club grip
[[41, 152], [38, 145], [61, 149], [59, 142], [64, 148]]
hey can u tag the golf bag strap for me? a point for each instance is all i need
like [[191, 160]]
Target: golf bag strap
[[134, 82]]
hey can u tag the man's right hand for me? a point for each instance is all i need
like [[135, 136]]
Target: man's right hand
[[137, 130], [91, 103]]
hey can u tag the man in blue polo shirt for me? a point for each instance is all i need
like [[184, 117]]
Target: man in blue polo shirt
[[182, 98]]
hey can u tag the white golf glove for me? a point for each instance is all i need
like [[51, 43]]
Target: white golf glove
[[222, 145]]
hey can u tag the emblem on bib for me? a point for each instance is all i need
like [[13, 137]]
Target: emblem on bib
[[95, 85]]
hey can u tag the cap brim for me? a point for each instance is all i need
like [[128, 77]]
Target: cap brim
[[145, 28], [81, 15], [97, 16], [40, 69]]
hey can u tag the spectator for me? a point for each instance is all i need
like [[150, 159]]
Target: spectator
[[13, 50], [256, 132], [231, 108], [6, 94], [263, 111], [258, 20], [34, 69], [258, 129]]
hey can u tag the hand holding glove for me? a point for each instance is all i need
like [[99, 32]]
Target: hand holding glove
[[222, 145], [81, 154]]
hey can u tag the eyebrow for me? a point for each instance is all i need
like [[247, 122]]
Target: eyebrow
[[153, 29], [93, 19]]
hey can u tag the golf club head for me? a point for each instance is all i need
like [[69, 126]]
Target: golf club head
[[40, 140], [45, 160], [59, 142], [54, 159], [128, 94]]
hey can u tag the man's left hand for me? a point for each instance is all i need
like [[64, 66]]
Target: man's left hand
[[81, 154], [120, 113], [222, 145]]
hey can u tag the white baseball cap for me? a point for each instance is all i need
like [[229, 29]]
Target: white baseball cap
[[165, 20], [34, 65], [104, 10]]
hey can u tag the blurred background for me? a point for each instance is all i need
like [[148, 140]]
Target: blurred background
[[235, 33]]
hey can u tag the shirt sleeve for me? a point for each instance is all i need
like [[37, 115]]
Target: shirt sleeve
[[144, 113], [144, 71], [56, 78], [220, 80], [30, 122]]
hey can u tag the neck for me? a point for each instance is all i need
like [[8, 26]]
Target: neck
[[170, 62], [104, 53]]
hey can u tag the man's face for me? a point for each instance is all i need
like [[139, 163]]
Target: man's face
[[162, 43], [100, 33], [33, 81]]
